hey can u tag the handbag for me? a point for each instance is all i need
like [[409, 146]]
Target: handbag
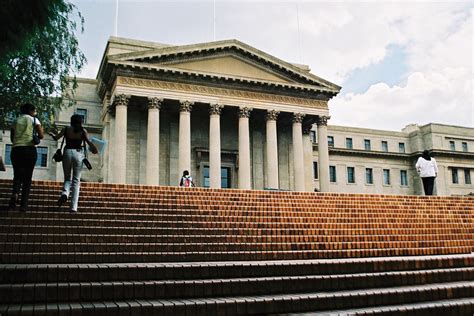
[[36, 139], [86, 161], [58, 155]]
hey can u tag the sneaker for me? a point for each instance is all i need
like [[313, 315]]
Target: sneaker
[[73, 211], [62, 199]]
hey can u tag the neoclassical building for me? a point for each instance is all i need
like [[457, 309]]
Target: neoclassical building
[[236, 117]]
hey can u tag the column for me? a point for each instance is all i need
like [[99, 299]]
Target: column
[[215, 145], [272, 149], [184, 149], [152, 176], [244, 149], [120, 157], [308, 158], [298, 153], [323, 153]]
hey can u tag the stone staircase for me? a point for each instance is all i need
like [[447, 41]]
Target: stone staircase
[[172, 251]]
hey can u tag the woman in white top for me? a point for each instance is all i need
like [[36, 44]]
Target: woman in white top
[[428, 170]]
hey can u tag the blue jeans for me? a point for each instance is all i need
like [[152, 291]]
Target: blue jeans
[[72, 161]]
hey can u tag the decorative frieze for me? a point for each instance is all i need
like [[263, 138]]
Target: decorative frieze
[[121, 100], [155, 103], [185, 106], [272, 115], [245, 112], [298, 117], [215, 109], [214, 91], [322, 120]]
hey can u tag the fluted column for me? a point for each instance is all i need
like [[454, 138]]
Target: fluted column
[[323, 153], [184, 136], [120, 157], [272, 149], [153, 142], [215, 145], [244, 149], [298, 153], [308, 158]]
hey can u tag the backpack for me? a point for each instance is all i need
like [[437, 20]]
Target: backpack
[[186, 182]]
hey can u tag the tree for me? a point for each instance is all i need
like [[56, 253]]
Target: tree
[[39, 52]]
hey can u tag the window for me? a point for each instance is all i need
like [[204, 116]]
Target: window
[[467, 176], [386, 176], [331, 141], [315, 170], [367, 144], [349, 143], [312, 136], [464, 146], [83, 113], [350, 175], [41, 160], [225, 177], [403, 178], [452, 145], [369, 176], [332, 173], [384, 145], [454, 174], [401, 147]]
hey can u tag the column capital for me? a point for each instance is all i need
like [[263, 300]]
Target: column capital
[[155, 103], [215, 109], [272, 115], [298, 117], [307, 129], [185, 106], [322, 120], [121, 100], [245, 112]]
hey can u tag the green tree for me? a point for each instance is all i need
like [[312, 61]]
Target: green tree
[[39, 52]]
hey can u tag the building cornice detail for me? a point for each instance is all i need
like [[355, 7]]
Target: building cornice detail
[[298, 118], [155, 103], [215, 109], [272, 115], [185, 106], [322, 120], [121, 100], [214, 91], [244, 112]]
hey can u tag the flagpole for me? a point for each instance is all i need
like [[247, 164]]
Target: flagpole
[[116, 18], [214, 20]]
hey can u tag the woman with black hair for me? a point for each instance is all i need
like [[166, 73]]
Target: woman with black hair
[[73, 156], [23, 154], [428, 170]]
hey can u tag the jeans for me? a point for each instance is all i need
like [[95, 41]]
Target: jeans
[[72, 161], [23, 160]]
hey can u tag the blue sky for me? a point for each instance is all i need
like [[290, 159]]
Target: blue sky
[[398, 62]]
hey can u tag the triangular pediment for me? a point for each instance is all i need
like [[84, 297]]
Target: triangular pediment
[[230, 66]]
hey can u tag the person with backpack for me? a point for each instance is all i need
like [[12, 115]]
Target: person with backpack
[[186, 180]]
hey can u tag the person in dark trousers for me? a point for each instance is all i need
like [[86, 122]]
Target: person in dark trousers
[[73, 157], [23, 154], [428, 170]]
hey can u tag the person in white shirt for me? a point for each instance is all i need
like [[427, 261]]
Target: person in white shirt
[[186, 180], [428, 170]]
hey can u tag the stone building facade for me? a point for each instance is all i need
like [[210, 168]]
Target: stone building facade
[[237, 117]]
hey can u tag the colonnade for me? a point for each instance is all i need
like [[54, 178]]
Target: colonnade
[[184, 141]]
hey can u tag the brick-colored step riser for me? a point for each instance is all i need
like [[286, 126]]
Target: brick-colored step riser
[[114, 257], [66, 236], [126, 230], [234, 247], [179, 271], [72, 220], [265, 305], [114, 291]]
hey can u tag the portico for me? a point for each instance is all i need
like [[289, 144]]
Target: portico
[[231, 115]]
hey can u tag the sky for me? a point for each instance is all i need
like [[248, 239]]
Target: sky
[[398, 62]]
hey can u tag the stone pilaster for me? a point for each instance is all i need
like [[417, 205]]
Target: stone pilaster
[[120, 157], [272, 150], [184, 136], [323, 152], [153, 142], [245, 181], [308, 158], [298, 154], [215, 145]]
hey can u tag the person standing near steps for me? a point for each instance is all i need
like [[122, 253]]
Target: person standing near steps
[[75, 135], [427, 169]]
